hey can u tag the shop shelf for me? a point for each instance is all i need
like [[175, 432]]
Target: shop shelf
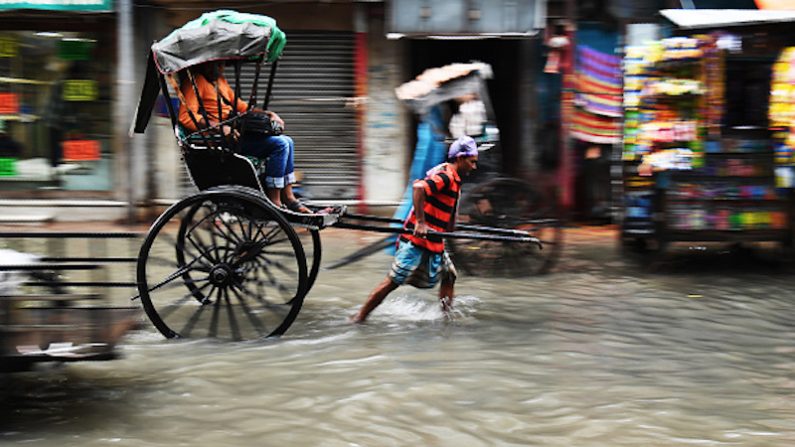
[[712, 235], [671, 198], [688, 175]]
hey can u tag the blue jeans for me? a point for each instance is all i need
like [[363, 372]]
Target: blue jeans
[[278, 150]]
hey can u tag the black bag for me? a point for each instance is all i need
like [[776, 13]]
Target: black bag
[[260, 123]]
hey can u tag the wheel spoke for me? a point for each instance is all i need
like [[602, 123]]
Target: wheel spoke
[[283, 268], [260, 286], [270, 234], [203, 250], [278, 241], [258, 233], [242, 230], [232, 320], [247, 310], [171, 240], [249, 232], [231, 232], [216, 310], [172, 285], [260, 298], [288, 254], [267, 305], [191, 323], [170, 308], [279, 311], [225, 237], [173, 276], [214, 241], [272, 279]]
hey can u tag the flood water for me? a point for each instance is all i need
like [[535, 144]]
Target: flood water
[[596, 353]]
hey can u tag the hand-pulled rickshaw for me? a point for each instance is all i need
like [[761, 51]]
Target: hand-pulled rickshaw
[[226, 262]]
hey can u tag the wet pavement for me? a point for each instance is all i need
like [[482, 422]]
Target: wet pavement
[[602, 351]]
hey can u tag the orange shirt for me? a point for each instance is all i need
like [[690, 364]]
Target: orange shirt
[[442, 188], [209, 100]]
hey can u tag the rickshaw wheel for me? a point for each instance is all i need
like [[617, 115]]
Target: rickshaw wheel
[[310, 240], [508, 203], [225, 264]]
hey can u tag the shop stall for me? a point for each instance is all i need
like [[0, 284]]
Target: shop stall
[[700, 164], [56, 121]]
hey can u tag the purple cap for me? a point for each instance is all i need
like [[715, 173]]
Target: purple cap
[[463, 147]]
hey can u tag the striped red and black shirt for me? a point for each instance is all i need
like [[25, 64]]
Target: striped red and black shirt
[[442, 189]]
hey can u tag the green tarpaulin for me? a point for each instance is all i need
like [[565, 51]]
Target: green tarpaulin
[[223, 34]]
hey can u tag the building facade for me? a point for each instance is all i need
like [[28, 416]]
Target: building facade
[[70, 79]]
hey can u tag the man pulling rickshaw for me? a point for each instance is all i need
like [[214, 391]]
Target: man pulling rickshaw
[[420, 260], [227, 261]]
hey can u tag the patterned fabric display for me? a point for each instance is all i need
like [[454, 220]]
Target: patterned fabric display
[[598, 99]]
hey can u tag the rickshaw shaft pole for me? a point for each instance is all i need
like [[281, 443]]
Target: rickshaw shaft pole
[[446, 235], [465, 227]]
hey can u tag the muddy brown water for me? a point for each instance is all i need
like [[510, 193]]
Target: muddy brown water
[[597, 353]]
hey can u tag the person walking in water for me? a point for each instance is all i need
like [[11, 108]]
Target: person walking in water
[[421, 259]]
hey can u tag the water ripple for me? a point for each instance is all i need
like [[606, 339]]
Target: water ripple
[[594, 354]]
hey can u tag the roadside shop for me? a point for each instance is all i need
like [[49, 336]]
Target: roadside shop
[[56, 97], [706, 155]]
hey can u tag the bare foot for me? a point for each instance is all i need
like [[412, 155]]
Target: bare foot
[[447, 304], [298, 207]]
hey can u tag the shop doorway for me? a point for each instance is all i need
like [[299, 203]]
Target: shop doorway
[[504, 56], [592, 195]]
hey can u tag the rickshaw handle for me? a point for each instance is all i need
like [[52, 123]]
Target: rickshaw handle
[[445, 235]]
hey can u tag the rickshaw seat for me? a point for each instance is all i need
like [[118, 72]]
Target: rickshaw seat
[[216, 164], [213, 167]]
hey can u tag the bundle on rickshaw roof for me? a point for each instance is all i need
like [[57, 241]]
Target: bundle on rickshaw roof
[[439, 84], [219, 35]]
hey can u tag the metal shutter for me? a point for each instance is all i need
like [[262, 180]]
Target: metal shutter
[[314, 83]]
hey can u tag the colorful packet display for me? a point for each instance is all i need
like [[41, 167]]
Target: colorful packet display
[[674, 100], [782, 116]]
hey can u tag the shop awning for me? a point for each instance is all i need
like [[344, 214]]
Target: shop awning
[[714, 18], [59, 5]]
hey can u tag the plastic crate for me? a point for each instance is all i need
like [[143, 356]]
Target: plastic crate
[[8, 166]]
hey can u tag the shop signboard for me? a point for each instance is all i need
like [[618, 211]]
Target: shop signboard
[[59, 5], [80, 90], [75, 49], [8, 46], [81, 150], [9, 103]]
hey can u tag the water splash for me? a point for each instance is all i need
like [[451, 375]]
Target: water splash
[[419, 307]]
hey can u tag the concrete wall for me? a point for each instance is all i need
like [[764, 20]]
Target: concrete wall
[[385, 133]]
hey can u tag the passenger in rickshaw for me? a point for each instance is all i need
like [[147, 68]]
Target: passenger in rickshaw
[[278, 150]]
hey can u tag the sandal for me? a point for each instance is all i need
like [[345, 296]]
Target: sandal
[[298, 207]]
